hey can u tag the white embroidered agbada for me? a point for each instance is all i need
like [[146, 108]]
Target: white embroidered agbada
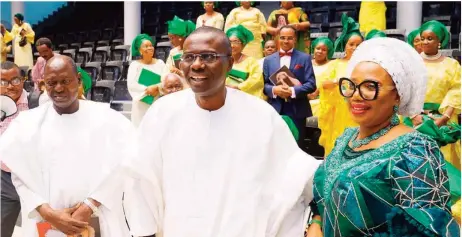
[[63, 159], [137, 91], [236, 171]]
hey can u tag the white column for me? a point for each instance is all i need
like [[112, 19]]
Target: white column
[[17, 7], [132, 20], [408, 15]]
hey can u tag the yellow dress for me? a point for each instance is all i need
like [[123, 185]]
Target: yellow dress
[[217, 21], [372, 16], [23, 55], [321, 73], [253, 20], [334, 116], [294, 15], [170, 62], [443, 87], [4, 40], [254, 83]]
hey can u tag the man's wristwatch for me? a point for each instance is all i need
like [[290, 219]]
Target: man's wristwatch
[[92, 206]]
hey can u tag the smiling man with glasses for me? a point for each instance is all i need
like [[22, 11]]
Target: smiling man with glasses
[[12, 85], [215, 161]]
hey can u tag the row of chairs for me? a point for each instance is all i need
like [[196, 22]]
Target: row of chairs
[[94, 53]]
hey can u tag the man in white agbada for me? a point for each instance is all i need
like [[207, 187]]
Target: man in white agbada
[[63, 153], [214, 161]]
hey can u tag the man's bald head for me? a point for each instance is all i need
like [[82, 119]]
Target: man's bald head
[[62, 82], [213, 33], [60, 61]]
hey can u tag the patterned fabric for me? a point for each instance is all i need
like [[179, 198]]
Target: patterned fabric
[[399, 189], [38, 71], [405, 66], [294, 15], [443, 87], [22, 105], [253, 20]]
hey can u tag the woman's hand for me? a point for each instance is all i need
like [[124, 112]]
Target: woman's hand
[[176, 71], [329, 84], [441, 121], [153, 90], [313, 95], [417, 120], [314, 230]]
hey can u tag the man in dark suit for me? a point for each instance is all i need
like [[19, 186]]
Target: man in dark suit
[[290, 101]]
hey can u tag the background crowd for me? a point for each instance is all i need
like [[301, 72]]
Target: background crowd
[[314, 84]]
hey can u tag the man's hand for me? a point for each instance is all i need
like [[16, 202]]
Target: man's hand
[[22, 33], [83, 213], [152, 90], [62, 219], [2, 29], [282, 91]]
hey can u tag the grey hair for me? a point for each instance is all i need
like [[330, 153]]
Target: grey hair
[[162, 79]]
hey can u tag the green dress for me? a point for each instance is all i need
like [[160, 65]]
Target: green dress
[[400, 189]]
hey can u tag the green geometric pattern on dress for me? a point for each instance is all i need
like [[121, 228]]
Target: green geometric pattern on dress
[[365, 193]]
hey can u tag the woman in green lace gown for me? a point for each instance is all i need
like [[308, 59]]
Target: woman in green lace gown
[[383, 178]]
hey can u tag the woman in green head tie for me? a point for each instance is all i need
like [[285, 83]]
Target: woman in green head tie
[[210, 17], [253, 20], [375, 34], [246, 74], [442, 97], [143, 47], [414, 40], [178, 30], [86, 83], [334, 115], [322, 50]]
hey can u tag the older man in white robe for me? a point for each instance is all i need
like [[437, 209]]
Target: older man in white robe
[[213, 161], [62, 157]]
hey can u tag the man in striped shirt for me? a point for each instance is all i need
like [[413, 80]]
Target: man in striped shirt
[[12, 85]]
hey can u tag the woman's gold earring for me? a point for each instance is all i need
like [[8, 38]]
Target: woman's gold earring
[[439, 45]]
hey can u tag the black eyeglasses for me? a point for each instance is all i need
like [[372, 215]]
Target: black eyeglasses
[[16, 81], [368, 89], [205, 57]]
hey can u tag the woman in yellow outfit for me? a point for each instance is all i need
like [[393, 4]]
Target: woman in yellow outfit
[[372, 16], [5, 38], [295, 17], [322, 50], [246, 74], [442, 101], [23, 54], [443, 85], [334, 115], [253, 20]]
